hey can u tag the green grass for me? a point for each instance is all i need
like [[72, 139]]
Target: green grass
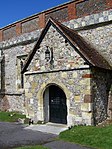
[[32, 147], [96, 137], [10, 116]]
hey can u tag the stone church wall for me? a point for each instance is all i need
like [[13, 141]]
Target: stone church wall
[[96, 29], [101, 39], [10, 91], [64, 56], [12, 96], [101, 85], [87, 93], [67, 71], [65, 12], [76, 86]]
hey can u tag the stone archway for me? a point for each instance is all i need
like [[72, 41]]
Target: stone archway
[[41, 111], [55, 108]]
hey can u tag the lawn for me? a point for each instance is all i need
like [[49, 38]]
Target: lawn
[[96, 137], [32, 147], [11, 116]]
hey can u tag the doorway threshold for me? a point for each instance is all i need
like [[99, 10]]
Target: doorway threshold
[[57, 124]]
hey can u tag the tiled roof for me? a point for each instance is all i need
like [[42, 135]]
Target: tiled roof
[[89, 54]]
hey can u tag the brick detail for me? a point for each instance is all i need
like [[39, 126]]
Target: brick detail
[[87, 76], [18, 29], [1, 35], [30, 25], [72, 11], [58, 14], [109, 3], [9, 33], [42, 20], [87, 98], [89, 7]]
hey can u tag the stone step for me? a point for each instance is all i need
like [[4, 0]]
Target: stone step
[[48, 128]]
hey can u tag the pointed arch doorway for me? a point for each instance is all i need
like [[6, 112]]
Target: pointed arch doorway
[[55, 109]]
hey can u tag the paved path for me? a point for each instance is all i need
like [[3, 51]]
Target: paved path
[[64, 145], [14, 135], [48, 128]]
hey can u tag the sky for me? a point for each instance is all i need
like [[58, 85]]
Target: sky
[[14, 10]]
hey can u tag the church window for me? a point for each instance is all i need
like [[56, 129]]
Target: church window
[[20, 76]]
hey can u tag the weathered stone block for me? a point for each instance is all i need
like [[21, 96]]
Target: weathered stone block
[[33, 90], [43, 68], [75, 75], [110, 17], [101, 19], [86, 107], [34, 85], [88, 87], [27, 85], [31, 101], [29, 95], [77, 98], [72, 112], [87, 91], [71, 81], [78, 119], [26, 90], [64, 75], [86, 115], [88, 122], [31, 78], [82, 82]]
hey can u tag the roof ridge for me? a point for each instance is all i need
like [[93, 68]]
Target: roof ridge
[[88, 46], [91, 55]]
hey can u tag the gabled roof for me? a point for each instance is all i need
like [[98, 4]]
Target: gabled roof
[[89, 54]]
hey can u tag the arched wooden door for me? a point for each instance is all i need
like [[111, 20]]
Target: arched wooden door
[[57, 105]]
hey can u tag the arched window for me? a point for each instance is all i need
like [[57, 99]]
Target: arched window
[[20, 76]]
